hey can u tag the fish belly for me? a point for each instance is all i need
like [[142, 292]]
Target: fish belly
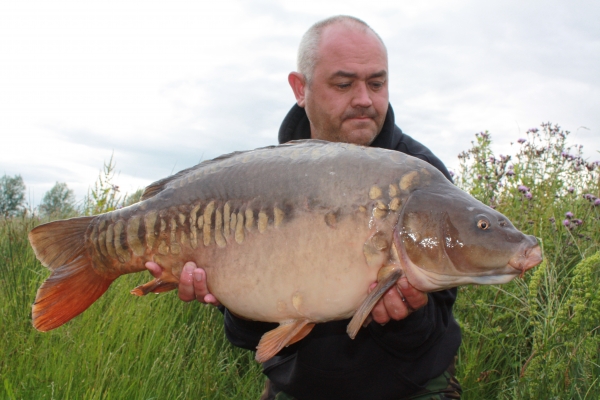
[[304, 270]]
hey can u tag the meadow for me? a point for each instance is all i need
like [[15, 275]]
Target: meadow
[[537, 337]]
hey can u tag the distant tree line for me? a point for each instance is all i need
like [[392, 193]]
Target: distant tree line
[[59, 201]]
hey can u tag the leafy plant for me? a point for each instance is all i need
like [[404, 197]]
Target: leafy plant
[[537, 337], [104, 196]]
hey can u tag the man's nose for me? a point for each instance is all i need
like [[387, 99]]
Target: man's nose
[[362, 97]]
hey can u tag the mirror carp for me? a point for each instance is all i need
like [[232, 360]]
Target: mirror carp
[[293, 234]]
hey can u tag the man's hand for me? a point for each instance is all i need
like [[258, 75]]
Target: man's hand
[[398, 302], [192, 283]]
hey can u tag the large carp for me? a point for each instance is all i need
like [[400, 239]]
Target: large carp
[[293, 234]]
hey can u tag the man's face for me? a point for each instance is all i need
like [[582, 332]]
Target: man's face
[[347, 99]]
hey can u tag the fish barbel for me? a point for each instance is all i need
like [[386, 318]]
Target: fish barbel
[[293, 234]]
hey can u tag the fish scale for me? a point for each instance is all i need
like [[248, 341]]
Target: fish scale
[[293, 234]]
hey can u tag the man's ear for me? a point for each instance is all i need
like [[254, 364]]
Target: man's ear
[[298, 84]]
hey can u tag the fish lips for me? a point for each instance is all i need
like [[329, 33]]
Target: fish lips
[[526, 259]]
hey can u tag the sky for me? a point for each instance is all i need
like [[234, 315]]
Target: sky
[[161, 86]]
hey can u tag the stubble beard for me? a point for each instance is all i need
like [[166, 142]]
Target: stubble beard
[[361, 133]]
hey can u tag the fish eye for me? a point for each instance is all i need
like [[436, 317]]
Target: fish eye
[[483, 224]]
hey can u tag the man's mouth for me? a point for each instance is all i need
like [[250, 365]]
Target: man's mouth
[[360, 115]]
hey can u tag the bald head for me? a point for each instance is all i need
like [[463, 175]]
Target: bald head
[[308, 51]]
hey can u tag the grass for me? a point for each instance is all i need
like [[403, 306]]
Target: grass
[[123, 347], [534, 338]]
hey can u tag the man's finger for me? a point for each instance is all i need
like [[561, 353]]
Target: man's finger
[[154, 269], [201, 288], [395, 306], [186, 282], [211, 299], [414, 297]]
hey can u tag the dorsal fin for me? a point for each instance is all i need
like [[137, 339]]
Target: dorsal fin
[[155, 188]]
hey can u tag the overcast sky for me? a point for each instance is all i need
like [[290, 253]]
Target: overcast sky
[[164, 85]]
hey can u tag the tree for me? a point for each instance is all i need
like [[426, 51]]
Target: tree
[[12, 195], [60, 200]]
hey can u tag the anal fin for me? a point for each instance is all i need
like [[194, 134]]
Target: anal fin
[[387, 278], [284, 335]]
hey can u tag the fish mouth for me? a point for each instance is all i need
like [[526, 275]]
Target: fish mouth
[[526, 260]]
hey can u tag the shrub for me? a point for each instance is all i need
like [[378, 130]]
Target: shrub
[[537, 337]]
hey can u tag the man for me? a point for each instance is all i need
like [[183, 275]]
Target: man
[[341, 90]]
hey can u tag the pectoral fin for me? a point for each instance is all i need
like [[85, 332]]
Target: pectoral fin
[[387, 278], [284, 335], [166, 282]]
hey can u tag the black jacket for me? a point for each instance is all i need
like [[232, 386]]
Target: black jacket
[[382, 362]]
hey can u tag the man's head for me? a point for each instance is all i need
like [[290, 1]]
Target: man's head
[[342, 81]]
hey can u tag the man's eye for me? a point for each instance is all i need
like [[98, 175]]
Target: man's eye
[[343, 85], [376, 85]]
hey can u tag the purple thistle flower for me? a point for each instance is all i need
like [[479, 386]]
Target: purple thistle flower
[[510, 172], [597, 202], [569, 214], [521, 141], [564, 154], [571, 189], [552, 220], [578, 222], [589, 197], [451, 173], [523, 188], [528, 195], [485, 135], [566, 223]]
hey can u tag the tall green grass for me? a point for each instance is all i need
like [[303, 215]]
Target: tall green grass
[[534, 338], [122, 347]]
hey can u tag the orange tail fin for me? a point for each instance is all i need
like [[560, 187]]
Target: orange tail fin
[[74, 284]]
